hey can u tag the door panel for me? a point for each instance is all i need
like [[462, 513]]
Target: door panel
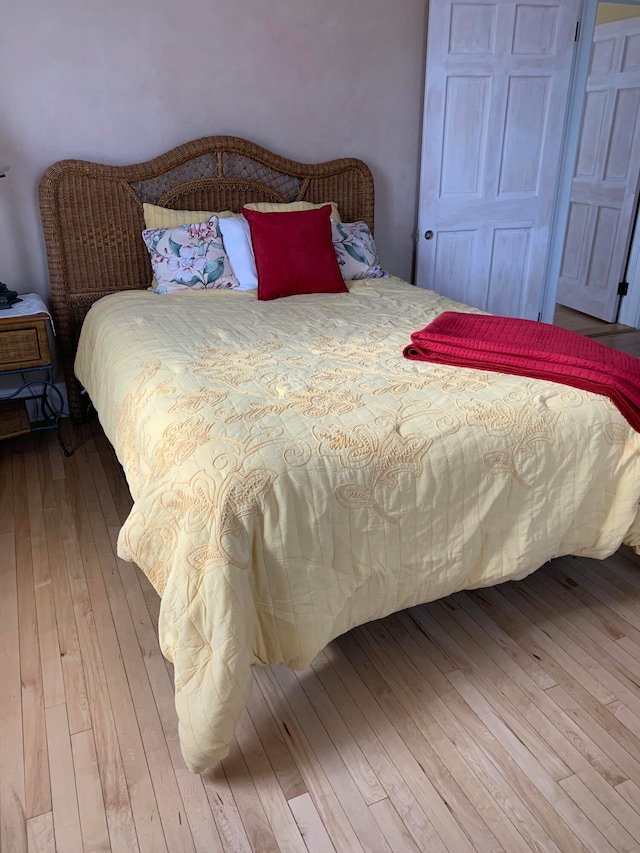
[[510, 256], [535, 30], [472, 28], [605, 183], [467, 100], [604, 233], [496, 92], [576, 241], [455, 252], [526, 112], [623, 130], [602, 56], [631, 53], [593, 122]]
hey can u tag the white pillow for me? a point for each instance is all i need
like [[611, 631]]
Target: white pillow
[[236, 237]]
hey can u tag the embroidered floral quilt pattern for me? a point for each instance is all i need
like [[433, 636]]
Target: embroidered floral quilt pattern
[[293, 476]]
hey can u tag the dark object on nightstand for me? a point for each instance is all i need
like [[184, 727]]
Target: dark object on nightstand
[[7, 297]]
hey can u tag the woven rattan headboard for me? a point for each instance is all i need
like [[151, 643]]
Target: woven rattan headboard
[[92, 215]]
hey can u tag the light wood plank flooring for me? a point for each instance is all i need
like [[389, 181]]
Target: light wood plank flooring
[[613, 335], [503, 719]]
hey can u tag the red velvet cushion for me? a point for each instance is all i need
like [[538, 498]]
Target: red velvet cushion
[[294, 253]]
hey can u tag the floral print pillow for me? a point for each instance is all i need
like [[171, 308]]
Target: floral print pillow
[[356, 251], [189, 256]]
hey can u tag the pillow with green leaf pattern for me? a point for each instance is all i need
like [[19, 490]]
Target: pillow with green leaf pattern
[[189, 257], [355, 250]]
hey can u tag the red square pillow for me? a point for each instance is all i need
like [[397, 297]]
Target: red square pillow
[[294, 253]]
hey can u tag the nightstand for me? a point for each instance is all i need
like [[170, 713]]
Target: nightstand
[[25, 353]]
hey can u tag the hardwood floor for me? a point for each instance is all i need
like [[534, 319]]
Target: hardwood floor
[[503, 719], [613, 335]]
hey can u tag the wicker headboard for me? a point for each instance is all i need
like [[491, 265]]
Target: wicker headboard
[[92, 215]]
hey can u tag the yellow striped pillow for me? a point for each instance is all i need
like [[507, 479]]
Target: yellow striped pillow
[[165, 217], [277, 207]]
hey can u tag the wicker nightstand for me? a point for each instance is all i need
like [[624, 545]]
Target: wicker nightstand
[[24, 351]]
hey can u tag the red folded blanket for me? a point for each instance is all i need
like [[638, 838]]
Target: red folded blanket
[[529, 348]]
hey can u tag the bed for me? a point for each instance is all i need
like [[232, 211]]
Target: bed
[[293, 475]]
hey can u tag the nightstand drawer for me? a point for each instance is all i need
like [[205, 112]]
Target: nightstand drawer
[[23, 343]]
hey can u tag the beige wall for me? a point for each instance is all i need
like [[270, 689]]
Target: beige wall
[[119, 81], [608, 12]]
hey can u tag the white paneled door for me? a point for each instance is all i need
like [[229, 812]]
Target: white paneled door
[[605, 184], [497, 83]]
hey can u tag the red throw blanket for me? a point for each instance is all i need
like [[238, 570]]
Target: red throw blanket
[[528, 348]]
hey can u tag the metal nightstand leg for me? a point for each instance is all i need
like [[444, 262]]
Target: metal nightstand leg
[[49, 412]]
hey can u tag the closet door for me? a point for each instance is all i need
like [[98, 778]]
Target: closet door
[[497, 82]]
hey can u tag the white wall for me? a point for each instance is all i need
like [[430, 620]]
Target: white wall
[[120, 81]]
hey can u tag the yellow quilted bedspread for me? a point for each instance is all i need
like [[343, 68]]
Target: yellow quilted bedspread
[[293, 476]]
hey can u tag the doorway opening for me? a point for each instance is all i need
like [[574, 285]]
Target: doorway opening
[[598, 269]]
